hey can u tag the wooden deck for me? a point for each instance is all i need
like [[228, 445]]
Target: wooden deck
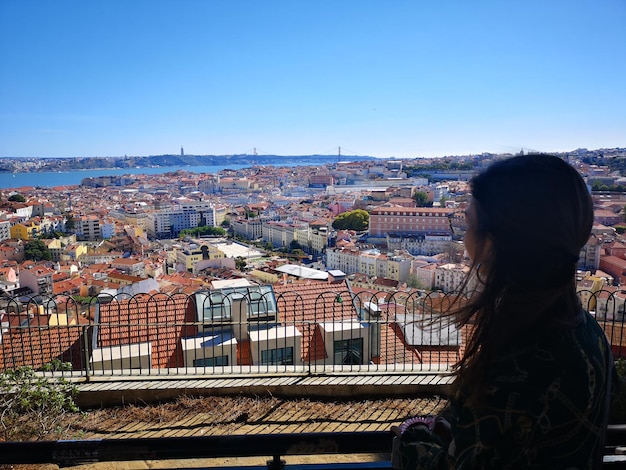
[[105, 391]]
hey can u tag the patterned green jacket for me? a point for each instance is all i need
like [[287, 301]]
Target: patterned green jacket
[[546, 409]]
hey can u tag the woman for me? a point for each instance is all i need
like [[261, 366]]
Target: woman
[[531, 388]]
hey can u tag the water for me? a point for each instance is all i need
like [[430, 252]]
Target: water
[[46, 179]]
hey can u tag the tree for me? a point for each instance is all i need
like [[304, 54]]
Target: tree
[[421, 199], [70, 222], [413, 281], [204, 230], [17, 198], [353, 220], [50, 235], [240, 263], [37, 250]]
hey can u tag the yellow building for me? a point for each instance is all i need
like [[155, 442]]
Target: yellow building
[[588, 288], [190, 257], [25, 231], [74, 251]]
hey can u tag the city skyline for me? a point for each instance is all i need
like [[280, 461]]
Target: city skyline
[[401, 79]]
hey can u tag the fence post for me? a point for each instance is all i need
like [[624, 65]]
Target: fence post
[[86, 352]]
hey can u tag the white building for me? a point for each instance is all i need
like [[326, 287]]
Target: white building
[[449, 277], [371, 263]]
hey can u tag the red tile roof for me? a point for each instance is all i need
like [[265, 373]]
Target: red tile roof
[[158, 319], [40, 344]]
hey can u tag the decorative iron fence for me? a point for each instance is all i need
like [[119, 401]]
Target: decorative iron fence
[[249, 330]]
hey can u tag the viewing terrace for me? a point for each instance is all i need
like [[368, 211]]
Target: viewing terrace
[[300, 339]]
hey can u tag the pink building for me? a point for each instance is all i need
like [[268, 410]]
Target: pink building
[[408, 220]]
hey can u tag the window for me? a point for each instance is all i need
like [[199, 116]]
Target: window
[[261, 301], [348, 351], [216, 361], [215, 306], [279, 356]]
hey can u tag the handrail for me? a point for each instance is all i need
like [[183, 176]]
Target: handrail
[[74, 452], [252, 445]]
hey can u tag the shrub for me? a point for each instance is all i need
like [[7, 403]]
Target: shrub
[[33, 406]]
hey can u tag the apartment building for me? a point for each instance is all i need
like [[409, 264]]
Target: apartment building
[[204, 209], [279, 234], [611, 304], [136, 219], [589, 257], [228, 184], [321, 180], [158, 224], [190, 258], [169, 222], [129, 266], [5, 230], [424, 273], [372, 263], [404, 221], [37, 278], [614, 266], [182, 219], [25, 230], [251, 229], [88, 228], [8, 280], [427, 244], [449, 277], [12, 250]]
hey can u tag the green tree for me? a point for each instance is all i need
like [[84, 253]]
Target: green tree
[[204, 230], [240, 263], [413, 281], [50, 235], [294, 245], [70, 222], [37, 250], [352, 220], [17, 198], [421, 199]]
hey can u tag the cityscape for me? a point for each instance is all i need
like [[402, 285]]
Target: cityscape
[[238, 229], [369, 231]]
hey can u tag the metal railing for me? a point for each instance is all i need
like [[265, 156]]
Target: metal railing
[[276, 446], [256, 332]]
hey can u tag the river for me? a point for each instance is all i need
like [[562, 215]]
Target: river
[[47, 179]]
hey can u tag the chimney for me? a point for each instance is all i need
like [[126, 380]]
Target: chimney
[[239, 315], [371, 314], [4, 323]]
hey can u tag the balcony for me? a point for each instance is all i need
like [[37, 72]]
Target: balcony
[[319, 340]]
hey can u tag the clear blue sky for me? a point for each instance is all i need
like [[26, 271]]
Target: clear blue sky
[[382, 78]]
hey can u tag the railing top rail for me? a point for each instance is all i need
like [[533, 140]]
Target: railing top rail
[[111, 450]]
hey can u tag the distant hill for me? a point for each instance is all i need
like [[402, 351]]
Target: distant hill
[[93, 163]]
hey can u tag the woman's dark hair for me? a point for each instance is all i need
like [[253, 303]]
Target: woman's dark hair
[[536, 213]]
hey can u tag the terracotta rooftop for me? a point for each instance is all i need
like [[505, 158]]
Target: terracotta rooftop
[[39, 344], [135, 321]]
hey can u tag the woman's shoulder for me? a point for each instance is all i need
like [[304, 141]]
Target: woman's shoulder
[[540, 355]]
